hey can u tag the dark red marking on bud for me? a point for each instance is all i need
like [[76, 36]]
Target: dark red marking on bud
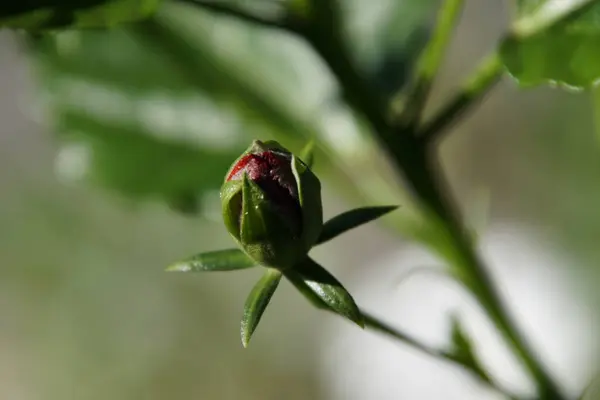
[[240, 165], [272, 172]]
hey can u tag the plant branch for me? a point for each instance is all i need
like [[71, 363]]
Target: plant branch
[[234, 12], [412, 156], [489, 72], [429, 64], [486, 75]]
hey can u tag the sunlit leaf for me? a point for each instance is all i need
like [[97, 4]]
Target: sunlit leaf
[[257, 302], [221, 260], [352, 219], [386, 35], [324, 290], [564, 54], [156, 110], [36, 15]]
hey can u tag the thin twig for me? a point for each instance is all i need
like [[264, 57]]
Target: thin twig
[[429, 64], [481, 82], [489, 72], [414, 159]]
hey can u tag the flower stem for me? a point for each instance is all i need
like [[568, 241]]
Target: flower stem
[[413, 157], [470, 269]]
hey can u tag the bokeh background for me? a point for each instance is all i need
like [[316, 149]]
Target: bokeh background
[[105, 135]]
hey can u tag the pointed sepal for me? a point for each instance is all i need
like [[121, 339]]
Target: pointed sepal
[[323, 290], [352, 219], [257, 302], [221, 260], [307, 154], [309, 195]]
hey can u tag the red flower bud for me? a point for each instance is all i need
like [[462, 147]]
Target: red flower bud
[[272, 205]]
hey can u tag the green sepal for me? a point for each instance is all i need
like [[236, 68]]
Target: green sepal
[[309, 195], [257, 302], [323, 290], [221, 260], [252, 225], [307, 154], [231, 203], [264, 236], [351, 219]]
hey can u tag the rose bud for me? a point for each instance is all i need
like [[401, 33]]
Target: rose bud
[[271, 204]]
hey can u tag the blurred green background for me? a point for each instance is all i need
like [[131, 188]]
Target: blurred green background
[[106, 134]]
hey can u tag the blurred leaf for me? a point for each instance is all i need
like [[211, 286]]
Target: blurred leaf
[[386, 35], [352, 219], [527, 7], [36, 15], [221, 260], [462, 350], [257, 302], [156, 109], [566, 53], [323, 290]]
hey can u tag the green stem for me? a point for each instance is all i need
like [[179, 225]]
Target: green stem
[[429, 63], [413, 157], [486, 75], [470, 269]]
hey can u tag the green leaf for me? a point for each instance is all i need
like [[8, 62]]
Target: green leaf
[[147, 133], [386, 35], [352, 219], [157, 110], [257, 302], [564, 52], [463, 352], [309, 194], [323, 290], [221, 260], [36, 15]]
